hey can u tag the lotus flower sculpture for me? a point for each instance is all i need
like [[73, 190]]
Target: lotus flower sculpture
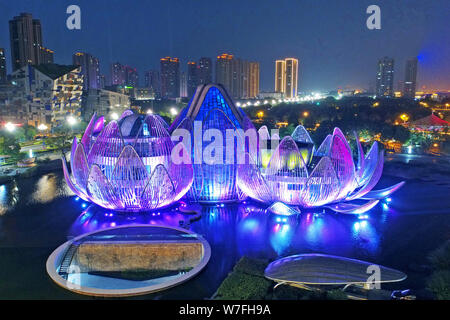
[[126, 165], [296, 174]]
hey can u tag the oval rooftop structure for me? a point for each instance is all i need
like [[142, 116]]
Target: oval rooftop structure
[[321, 269], [128, 260]]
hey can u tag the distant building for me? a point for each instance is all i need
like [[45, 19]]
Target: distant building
[[409, 86], [253, 90], [286, 77], [46, 94], [46, 56], [152, 80], [140, 94], [3, 74], [102, 81], [385, 78], [204, 71], [90, 68], [192, 78], [291, 78], [170, 77], [270, 95], [280, 76], [224, 73], [183, 85], [117, 74], [131, 77], [105, 103], [239, 77], [26, 42]]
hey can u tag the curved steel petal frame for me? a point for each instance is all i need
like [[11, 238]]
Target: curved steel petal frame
[[383, 193], [350, 208], [116, 176]]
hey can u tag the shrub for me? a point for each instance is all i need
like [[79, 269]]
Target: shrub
[[254, 267], [439, 284], [440, 258], [242, 286]]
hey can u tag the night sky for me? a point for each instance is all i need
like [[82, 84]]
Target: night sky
[[329, 37]]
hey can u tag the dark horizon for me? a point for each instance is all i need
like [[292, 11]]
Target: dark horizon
[[330, 40]]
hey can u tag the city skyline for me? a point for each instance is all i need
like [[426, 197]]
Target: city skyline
[[325, 62]]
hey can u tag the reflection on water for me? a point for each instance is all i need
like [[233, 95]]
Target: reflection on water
[[95, 218], [394, 233], [46, 189], [9, 196], [247, 229]]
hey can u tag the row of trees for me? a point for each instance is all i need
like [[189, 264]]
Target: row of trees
[[364, 115]]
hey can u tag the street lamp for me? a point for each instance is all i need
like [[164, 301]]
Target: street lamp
[[173, 111], [114, 116], [10, 126], [71, 120], [149, 111], [404, 117], [42, 127]]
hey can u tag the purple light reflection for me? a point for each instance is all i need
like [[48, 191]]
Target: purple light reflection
[[96, 218]]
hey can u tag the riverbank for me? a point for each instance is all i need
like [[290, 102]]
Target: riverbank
[[40, 169]]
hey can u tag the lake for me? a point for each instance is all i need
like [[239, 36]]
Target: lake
[[39, 214]]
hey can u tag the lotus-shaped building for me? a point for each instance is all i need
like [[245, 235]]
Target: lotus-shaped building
[[297, 174], [126, 165], [211, 108]]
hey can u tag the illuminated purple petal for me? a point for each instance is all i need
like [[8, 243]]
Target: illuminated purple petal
[[72, 152], [241, 195], [80, 169], [160, 190], [98, 127], [383, 193], [100, 190], [360, 165], [275, 136], [350, 208], [153, 143], [86, 139], [252, 183], [324, 148], [342, 160], [373, 180], [282, 209], [129, 177], [126, 113], [106, 148], [338, 132], [322, 186], [163, 122], [300, 134], [286, 174], [263, 133], [370, 163], [182, 174], [70, 183]]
